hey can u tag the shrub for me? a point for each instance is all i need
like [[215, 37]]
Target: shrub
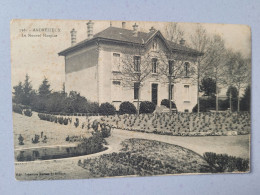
[[127, 108], [28, 112], [17, 108], [166, 102], [107, 109], [76, 123], [147, 107], [223, 162]]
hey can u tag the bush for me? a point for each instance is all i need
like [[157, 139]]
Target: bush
[[127, 108], [225, 163], [107, 109], [28, 112], [17, 108], [166, 102], [147, 107], [206, 105]]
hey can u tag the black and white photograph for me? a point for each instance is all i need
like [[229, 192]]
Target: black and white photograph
[[99, 99]]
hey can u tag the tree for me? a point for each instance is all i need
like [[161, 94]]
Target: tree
[[208, 86], [135, 69], [18, 93], [173, 32], [246, 99], [44, 89], [242, 75], [27, 91], [232, 93], [216, 61], [201, 42], [173, 66]]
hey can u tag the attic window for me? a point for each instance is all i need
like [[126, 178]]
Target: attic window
[[155, 44]]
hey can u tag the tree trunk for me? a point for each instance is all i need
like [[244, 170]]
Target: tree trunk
[[216, 97], [230, 101], [238, 101], [138, 101], [198, 93], [170, 93]]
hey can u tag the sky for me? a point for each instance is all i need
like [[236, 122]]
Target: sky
[[38, 56]]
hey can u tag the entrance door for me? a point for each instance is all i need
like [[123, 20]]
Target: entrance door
[[154, 93]]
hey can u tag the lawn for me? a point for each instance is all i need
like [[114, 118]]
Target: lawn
[[146, 157]]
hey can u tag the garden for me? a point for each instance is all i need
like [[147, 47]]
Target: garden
[[184, 124]]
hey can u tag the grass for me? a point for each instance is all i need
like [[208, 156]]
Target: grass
[[146, 157], [184, 124]]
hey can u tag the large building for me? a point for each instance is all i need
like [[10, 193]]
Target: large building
[[97, 67]]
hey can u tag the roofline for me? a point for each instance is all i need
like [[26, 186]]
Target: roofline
[[85, 42]]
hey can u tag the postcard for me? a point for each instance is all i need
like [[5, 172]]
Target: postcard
[[97, 99]]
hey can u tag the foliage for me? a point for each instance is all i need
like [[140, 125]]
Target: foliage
[[225, 163], [184, 124], [20, 139], [28, 112], [17, 108], [36, 138], [127, 108], [137, 157], [147, 107], [107, 109], [208, 86], [44, 88], [246, 99], [166, 102], [206, 104]]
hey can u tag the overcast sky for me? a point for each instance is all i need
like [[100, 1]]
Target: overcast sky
[[38, 56]]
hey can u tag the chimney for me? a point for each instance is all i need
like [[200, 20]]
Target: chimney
[[182, 41], [90, 29], [152, 29], [135, 32], [123, 25], [73, 37]]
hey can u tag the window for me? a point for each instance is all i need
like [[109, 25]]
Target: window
[[186, 68], [186, 93], [116, 62], [170, 91], [136, 90], [155, 45], [171, 67], [137, 62], [154, 65], [116, 91]]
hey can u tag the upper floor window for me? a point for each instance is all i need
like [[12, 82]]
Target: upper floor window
[[116, 62], [137, 62], [186, 69], [155, 45], [154, 65], [171, 67]]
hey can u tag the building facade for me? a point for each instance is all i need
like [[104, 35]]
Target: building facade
[[105, 67]]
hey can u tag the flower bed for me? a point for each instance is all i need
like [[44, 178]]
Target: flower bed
[[146, 157], [184, 124]]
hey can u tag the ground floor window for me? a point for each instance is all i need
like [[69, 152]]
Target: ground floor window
[[136, 90], [170, 91]]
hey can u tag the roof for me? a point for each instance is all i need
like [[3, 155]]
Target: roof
[[127, 36]]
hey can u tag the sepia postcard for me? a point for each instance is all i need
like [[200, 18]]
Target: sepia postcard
[[94, 99]]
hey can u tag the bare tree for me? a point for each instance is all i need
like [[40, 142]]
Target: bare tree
[[173, 32], [216, 61], [136, 68], [242, 76], [200, 41], [229, 73], [174, 66]]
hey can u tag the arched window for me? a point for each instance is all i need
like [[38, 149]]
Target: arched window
[[186, 69]]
